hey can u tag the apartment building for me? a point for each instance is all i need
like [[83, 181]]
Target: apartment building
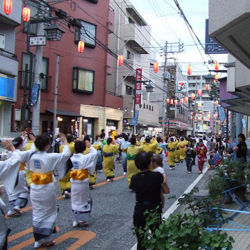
[[8, 68], [83, 104], [132, 41], [202, 108]]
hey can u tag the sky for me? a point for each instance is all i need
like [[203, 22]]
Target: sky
[[167, 25]]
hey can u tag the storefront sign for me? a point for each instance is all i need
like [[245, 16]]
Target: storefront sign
[[181, 86], [212, 47], [222, 114], [7, 88], [34, 93], [134, 120], [138, 95]]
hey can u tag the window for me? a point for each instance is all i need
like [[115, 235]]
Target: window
[[140, 106], [128, 54], [152, 108], [130, 20], [87, 34], [144, 105], [83, 80], [129, 90], [149, 107], [25, 77]]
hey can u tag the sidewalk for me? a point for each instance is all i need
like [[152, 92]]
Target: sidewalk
[[242, 239]]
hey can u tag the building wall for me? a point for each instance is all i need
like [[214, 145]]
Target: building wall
[[8, 62], [231, 11], [95, 59]]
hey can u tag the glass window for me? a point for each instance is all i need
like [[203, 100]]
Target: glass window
[[149, 107], [144, 106], [152, 108], [25, 77], [87, 34], [129, 90], [128, 54], [83, 80]]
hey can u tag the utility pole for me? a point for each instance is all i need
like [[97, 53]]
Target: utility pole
[[55, 97], [164, 90], [37, 79], [176, 47]]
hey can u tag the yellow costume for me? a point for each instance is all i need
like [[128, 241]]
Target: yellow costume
[[182, 146], [92, 178], [150, 146], [28, 172], [131, 167], [65, 181], [177, 151], [171, 154], [108, 153], [158, 150]]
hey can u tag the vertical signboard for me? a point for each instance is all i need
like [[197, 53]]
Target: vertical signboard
[[211, 46], [138, 89]]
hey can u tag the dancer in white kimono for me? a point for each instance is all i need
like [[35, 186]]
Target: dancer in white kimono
[[8, 174], [42, 189], [81, 202], [19, 197]]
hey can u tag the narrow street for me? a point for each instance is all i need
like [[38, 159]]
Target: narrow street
[[111, 223]]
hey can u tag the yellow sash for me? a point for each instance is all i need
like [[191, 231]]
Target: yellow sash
[[42, 179], [22, 165], [79, 174]]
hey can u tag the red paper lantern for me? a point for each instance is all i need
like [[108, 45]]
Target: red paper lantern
[[193, 96], [81, 46], [120, 60], [172, 101], [168, 100], [175, 102], [26, 14], [186, 99], [216, 66], [7, 6], [199, 92], [181, 101], [207, 87], [156, 67], [189, 70]]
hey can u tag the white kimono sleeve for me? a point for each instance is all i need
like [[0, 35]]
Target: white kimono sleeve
[[9, 171], [90, 160]]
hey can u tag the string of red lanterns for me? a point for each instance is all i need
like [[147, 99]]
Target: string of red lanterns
[[7, 6], [156, 67], [216, 66], [189, 70], [26, 14], [120, 60], [81, 46]]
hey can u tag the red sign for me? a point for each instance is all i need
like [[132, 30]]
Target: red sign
[[138, 87]]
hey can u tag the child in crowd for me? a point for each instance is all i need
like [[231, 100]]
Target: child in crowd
[[157, 164]]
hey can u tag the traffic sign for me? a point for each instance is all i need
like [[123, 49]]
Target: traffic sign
[[37, 40]]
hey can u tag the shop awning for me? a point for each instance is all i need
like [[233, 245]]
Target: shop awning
[[64, 113]]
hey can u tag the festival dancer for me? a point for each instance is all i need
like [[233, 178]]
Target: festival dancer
[[171, 153], [42, 189], [81, 201], [150, 145], [108, 152], [98, 146], [9, 170], [124, 148], [19, 197], [92, 174], [64, 180], [201, 150], [182, 146], [132, 151]]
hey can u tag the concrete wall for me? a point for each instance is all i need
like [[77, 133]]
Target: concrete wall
[[223, 12]]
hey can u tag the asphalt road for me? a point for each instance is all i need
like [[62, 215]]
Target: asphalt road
[[110, 227]]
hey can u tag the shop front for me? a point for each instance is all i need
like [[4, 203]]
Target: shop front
[[177, 128]]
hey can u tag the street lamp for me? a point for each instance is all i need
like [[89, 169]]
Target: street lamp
[[54, 32]]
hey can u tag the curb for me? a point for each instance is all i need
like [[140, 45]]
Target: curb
[[175, 205]]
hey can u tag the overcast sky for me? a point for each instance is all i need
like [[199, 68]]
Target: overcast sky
[[167, 25]]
